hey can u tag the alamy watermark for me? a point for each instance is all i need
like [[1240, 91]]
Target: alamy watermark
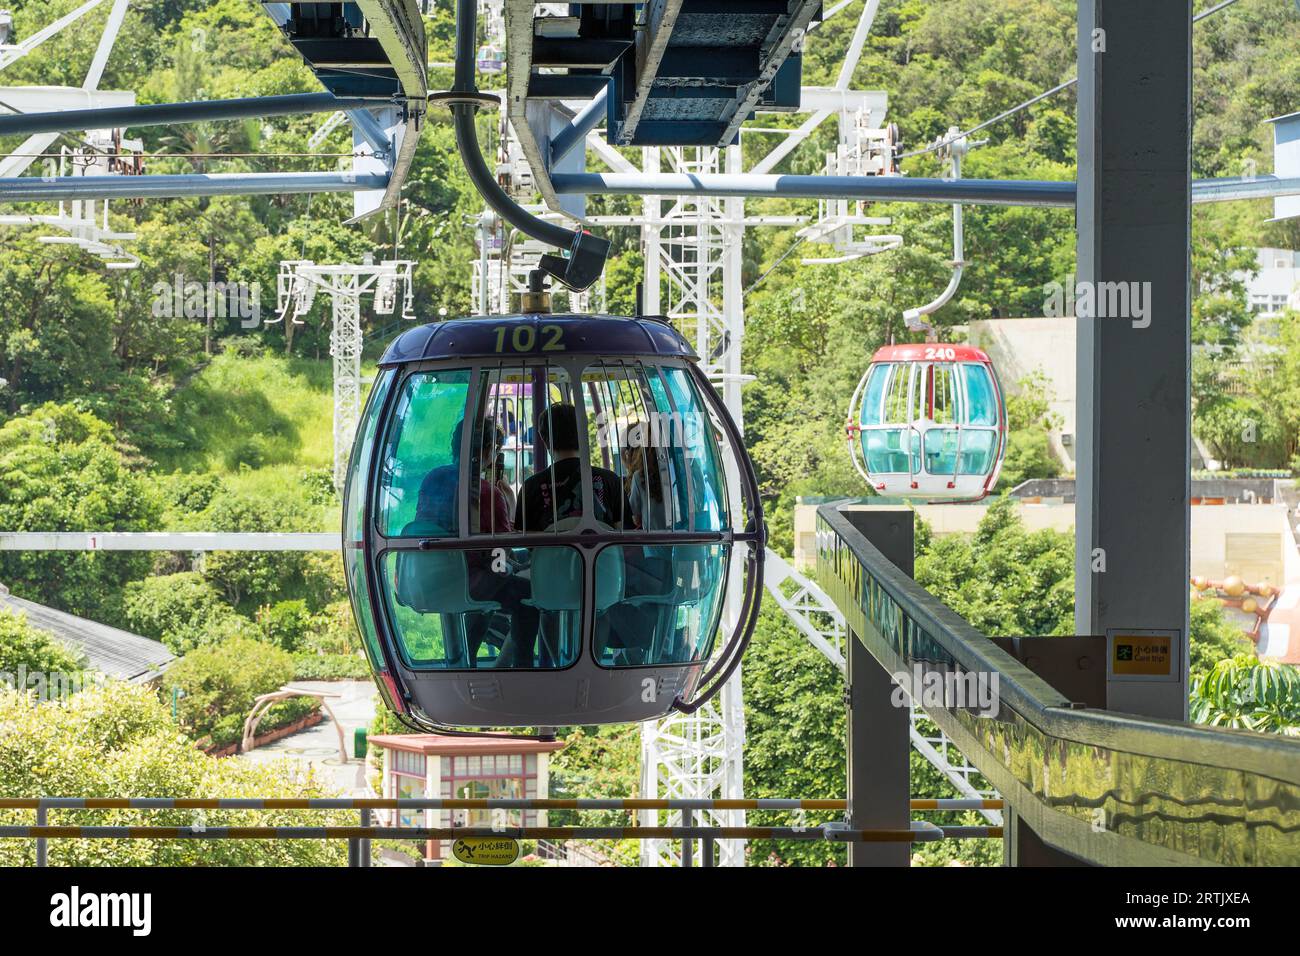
[[975, 691], [181, 299], [50, 685], [1099, 300], [683, 430]]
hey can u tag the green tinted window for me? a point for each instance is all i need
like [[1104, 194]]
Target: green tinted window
[[505, 608], [419, 471]]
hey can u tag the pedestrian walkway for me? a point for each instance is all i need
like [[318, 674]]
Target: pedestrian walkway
[[317, 747]]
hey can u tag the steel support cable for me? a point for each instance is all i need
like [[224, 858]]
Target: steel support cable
[[586, 252], [939, 144]]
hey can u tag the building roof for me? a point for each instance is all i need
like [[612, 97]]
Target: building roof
[[430, 744], [113, 652]]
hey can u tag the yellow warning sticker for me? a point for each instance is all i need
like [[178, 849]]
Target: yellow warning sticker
[[486, 851], [1146, 655]]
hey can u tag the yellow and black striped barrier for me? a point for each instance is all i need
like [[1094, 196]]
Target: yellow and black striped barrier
[[422, 803]]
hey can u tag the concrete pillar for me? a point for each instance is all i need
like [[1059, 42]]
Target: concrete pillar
[[879, 781], [1133, 368]]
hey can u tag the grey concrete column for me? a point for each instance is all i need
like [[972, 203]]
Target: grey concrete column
[[879, 783], [1133, 368]]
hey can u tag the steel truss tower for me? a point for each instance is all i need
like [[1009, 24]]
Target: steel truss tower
[[296, 288], [692, 275]]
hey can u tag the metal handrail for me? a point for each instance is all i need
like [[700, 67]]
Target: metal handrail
[[1107, 787]]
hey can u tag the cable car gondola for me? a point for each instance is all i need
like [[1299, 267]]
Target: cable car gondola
[[539, 526], [929, 421]]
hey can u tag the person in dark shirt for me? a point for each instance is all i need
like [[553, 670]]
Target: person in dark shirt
[[552, 495], [438, 497], [549, 497]]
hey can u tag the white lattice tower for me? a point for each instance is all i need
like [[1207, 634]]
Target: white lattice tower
[[388, 282], [862, 150], [692, 251], [345, 351]]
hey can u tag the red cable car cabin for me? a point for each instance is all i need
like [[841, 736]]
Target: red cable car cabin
[[929, 421]]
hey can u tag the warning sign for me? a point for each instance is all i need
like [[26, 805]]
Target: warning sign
[[1143, 655], [486, 851]]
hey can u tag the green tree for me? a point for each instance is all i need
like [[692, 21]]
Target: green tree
[[60, 470], [1029, 422], [182, 610], [224, 679], [1249, 694], [1003, 579], [119, 741], [1213, 638], [27, 647]]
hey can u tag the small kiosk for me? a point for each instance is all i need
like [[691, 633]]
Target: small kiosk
[[479, 768]]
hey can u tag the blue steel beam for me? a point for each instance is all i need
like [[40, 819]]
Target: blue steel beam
[[576, 132], [165, 114], [879, 188], [56, 188], [987, 192]]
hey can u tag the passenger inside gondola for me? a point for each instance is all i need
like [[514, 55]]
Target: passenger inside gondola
[[552, 499], [435, 512], [555, 494]]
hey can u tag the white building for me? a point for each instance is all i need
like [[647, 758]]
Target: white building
[[1276, 287]]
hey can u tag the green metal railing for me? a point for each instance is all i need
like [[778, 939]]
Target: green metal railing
[[1106, 787]]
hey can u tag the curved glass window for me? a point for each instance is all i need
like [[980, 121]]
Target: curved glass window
[[354, 497], [873, 399], [671, 600], [974, 445], [977, 447], [900, 401], [700, 484], [420, 471], [510, 608], [981, 396], [941, 450], [940, 402], [523, 485], [652, 441]]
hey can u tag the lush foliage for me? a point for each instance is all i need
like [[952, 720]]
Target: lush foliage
[[61, 470], [31, 649], [1004, 580], [182, 610], [1250, 694], [119, 741], [224, 679]]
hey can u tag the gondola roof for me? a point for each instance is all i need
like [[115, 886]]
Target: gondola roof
[[478, 337]]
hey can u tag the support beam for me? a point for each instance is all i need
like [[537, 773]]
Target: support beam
[[878, 731], [880, 188], [168, 541], [165, 114], [59, 188], [1134, 408], [563, 143], [987, 192]]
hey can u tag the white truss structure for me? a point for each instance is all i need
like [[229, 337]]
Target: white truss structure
[[863, 150], [82, 223], [296, 287], [692, 249], [821, 622]]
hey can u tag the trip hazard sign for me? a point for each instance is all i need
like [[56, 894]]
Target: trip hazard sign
[[1137, 654]]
